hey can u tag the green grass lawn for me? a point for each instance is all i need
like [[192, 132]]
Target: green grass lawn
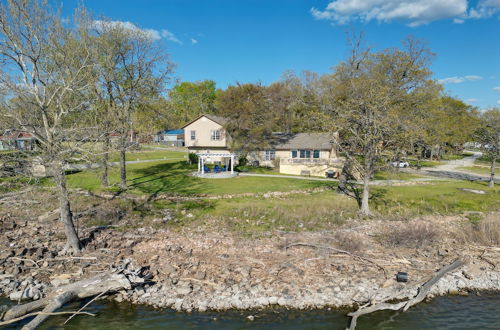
[[393, 175], [425, 163], [437, 197], [149, 155], [168, 177], [325, 210]]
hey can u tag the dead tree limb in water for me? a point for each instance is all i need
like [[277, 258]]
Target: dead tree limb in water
[[105, 282], [422, 293], [39, 313]]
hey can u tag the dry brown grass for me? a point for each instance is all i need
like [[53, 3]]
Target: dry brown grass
[[485, 231], [410, 234], [349, 241]]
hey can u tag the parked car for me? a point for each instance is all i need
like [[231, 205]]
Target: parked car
[[400, 163]]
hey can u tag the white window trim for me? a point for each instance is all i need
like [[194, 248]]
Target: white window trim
[[193, 135], [215, 135], [270, 155]]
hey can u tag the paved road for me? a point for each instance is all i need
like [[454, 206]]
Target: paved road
[[450, 169]]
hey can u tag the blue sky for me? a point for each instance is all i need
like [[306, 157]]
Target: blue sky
[[257, 40]]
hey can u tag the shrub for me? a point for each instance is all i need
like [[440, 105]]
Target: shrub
[[410, 234], [349, 241], [193, 158]]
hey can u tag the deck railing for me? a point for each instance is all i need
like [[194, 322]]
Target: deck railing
[[311, 161]]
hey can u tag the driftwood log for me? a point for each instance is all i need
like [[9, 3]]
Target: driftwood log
[[105, 282], [423, 291]]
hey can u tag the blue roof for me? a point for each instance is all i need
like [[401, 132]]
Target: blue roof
[[174, 132]]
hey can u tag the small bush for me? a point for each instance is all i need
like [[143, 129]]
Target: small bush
[[193, 158], [349, 241], [410, 234]]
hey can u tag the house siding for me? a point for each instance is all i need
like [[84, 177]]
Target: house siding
[[203, 128]]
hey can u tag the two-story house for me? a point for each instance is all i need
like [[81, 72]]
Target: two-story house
[[301, 153]]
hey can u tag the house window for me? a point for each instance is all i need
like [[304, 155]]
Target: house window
[[193, 135], [215, 135], [294, 153], [304, 153], [270, 155], [316, 154]]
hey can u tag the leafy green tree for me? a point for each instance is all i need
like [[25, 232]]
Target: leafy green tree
[[250, 121], [368, 93], [189, 100]]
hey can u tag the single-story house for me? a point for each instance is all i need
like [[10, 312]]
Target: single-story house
[[172, 138], [301, 153], [17, 141]]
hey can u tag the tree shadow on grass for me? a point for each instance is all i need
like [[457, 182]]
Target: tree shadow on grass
[[166, 178]]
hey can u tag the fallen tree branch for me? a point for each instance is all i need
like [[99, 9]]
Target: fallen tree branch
[[77, 312], [338, 251], [104, 282], [422, 293], [40, 313]]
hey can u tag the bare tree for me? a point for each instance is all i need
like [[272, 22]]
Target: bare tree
[[45, 69], [131, 67], [489, 136]]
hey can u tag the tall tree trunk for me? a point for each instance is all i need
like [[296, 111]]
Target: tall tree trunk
[[365, 207], [419, 158], [123, 169], [66, 216], [105, 159], [492, 171]]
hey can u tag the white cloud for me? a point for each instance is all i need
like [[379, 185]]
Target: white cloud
[[496, 89], [458, 80], [194, 41], [151, 33], [170, 36], [412, 12], [498, 101], [484, 9], [471, 100]]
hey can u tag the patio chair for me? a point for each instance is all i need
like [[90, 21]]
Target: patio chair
[[224, 168], [206, 169], [216, 169]]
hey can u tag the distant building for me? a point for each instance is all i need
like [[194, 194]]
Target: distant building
[[17, 141], [171, 138]]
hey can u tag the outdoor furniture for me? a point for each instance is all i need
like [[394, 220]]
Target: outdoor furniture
[[216, 169], [204, 157], [206, 169], [224, 168]]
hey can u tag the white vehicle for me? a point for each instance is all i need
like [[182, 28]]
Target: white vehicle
[[401, 164]]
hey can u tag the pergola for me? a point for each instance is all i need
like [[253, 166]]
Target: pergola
[[202, 157]]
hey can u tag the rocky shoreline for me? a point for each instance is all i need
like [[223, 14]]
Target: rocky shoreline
[[200, 271]]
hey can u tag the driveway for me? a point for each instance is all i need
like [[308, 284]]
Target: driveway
[[450, 169]]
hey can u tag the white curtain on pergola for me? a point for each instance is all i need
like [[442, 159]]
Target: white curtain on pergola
[[202, 158]]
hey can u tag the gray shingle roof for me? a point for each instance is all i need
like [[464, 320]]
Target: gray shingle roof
[[318, 141], [218, 119]]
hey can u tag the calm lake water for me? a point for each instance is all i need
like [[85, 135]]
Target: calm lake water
[[473, 312]]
